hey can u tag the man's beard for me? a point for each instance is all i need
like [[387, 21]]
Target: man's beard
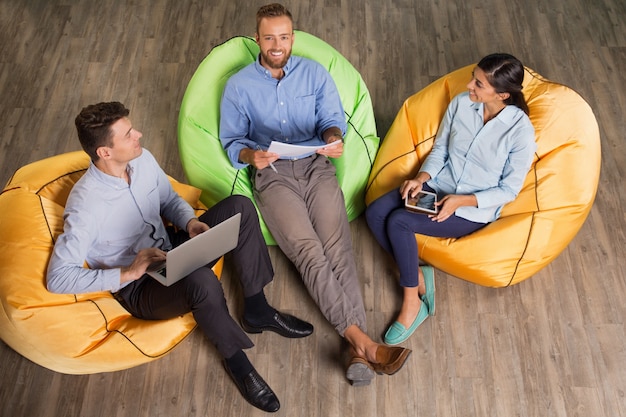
[[271, 61]]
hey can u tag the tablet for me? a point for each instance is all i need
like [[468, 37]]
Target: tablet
[[424, 202]]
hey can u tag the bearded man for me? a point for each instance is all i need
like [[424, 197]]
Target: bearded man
[[294, 100]]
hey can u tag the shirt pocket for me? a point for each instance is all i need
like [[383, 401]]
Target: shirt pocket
[[303, 115]]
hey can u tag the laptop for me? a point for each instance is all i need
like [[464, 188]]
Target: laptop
[[197, 252]]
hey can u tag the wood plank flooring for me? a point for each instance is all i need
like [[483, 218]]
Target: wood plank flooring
[[553, 345]]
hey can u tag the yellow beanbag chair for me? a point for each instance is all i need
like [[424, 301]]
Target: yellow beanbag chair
[[74, 334], [552, 205]]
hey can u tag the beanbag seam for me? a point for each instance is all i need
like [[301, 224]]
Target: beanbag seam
[[372, 180]]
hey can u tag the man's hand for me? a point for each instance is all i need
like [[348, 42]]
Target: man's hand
[[333, 136], [142, 261], [334, 148], [195, 227], [259, 159]]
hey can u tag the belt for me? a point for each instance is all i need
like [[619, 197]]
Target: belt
[[296, 158]]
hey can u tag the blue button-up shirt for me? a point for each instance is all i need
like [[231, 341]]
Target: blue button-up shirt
[[490, 160], [257, 109], [108, 221]]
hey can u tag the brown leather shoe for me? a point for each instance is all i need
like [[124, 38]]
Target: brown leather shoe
[[390, 359], [360, 371]]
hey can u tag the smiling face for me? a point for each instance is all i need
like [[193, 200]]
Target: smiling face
[[275, 38], [480, 91]]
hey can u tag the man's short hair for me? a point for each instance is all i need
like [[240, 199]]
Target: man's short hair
[[271, 10], [93, 125]]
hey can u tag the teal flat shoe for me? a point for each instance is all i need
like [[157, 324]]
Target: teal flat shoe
[[429, 283], [397, 333]]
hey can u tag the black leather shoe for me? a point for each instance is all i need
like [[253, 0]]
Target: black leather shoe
[[256, 391], [284, 324]]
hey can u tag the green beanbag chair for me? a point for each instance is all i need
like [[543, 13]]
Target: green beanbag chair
[[204, 160]]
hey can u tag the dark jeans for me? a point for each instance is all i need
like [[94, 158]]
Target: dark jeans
[[201, 292], [394, 227]]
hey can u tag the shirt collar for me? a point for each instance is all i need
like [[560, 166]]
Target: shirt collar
[[110, 180], [508, 114]]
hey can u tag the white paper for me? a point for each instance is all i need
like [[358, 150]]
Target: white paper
[[292, 151]]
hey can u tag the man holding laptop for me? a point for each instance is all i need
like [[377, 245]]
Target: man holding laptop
[[113, 221]]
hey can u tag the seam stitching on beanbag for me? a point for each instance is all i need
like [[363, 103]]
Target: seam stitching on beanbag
[[532, 222], [371, 182], [362, 138], [58, 178], [106, 322]]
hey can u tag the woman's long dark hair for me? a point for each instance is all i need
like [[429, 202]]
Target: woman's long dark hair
[[505, 73]]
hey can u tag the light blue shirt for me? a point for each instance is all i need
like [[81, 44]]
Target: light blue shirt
[[488, 160], [107, 222], [257, 109]]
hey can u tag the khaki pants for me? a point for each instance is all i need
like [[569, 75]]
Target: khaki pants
[[304, 209]]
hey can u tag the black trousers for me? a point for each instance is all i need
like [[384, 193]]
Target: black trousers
[[201, 292]]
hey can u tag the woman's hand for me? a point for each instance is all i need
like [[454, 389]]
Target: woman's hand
[[448, 205], [414, 186], [410, 187]]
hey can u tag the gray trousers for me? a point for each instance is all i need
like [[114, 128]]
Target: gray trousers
[[304, 209]]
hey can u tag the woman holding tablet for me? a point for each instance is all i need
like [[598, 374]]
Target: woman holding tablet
[[478, 163]]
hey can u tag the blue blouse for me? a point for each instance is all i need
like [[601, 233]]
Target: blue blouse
[[490, 160]]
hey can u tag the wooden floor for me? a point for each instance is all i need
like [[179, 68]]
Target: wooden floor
[[553, 345]]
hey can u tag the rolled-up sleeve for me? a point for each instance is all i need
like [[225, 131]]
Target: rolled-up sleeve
[[234, 126]]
